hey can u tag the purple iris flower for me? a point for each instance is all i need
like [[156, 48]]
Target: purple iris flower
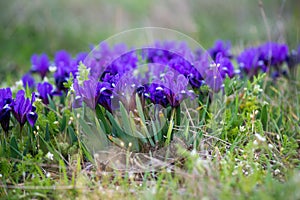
[[293, 58], [273, 53], [249, 62], [5, 107], [45, 91], [222, 47], [211, 72], [156, 93], [23, 109], [28, 80], [92, 92], [172, 90], [105, 96], [224, 65], [63, 63], [40, 64]]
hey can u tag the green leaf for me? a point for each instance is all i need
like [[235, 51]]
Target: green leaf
[[51, 103], [101, 115], [139, 108], [125, 120], [115, 124], [72, 135], [14, 150], [47, 135], [264, 117], [63, 123]]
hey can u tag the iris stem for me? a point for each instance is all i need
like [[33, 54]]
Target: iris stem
[[170, 127]]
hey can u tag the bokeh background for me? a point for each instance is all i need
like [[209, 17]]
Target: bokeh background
[[37, 26]]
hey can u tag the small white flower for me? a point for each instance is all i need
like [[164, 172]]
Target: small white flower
[[45, 79], [257, 88], [278, 137], [255, 142], [242, 128], [260, 138], [193, 152], [19, 83], [52, 68], [277, 171], [130, 175], [56, 122], [49, 155], [169, 170], [0, 175], [78, 115], [48, 175], [265, 103], [270, 146]]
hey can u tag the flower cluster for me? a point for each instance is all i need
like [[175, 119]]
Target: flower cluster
[[21, 107], [62, 66], [165, 73], [195, 68], [267, 57]]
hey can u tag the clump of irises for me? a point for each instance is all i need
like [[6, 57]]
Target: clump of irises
[[21, 107], [120, 77]]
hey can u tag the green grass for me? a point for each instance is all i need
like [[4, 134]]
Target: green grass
[[228, 161]]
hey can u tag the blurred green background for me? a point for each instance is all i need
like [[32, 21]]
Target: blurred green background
[[38, 26]]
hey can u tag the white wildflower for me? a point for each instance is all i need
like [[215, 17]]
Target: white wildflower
[[260, 138], [49, 155], [52, 68], [277, 171], [255, 142], [265, 103], [48, 175], [257, 89], [193, 152], [242, 128]]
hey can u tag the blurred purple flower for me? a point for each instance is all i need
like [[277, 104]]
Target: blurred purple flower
[[224, 66], [28, 80], [40, 64], [5, 107], [45, 91], [23, 109], [63, 63], [273, 53], [249, 62], [293, 58], [222, 47], [76, 61], [210, 71]]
